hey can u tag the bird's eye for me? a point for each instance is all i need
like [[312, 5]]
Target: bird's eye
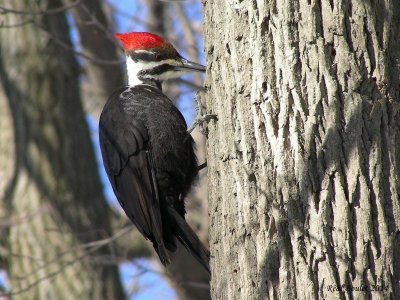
[[158, 56]]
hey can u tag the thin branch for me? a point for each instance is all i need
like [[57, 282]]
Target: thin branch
[[63, 44], [23, 218], [96, 245], [68, 47], [123, 14], [95, 21], [145, 269], [188, 31], [4, 10], [23, 23], [90, 246]]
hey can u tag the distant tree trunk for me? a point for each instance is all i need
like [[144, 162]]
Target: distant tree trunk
[[104, 73], [7, 165], [104, 76], [304, 161], [55, 198]]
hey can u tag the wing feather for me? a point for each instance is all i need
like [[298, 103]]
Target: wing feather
[[124, 142]]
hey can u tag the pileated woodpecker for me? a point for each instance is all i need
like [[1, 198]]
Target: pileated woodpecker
[[147, 152]]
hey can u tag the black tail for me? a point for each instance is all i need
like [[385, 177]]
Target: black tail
[[162, 252], [189, 239]]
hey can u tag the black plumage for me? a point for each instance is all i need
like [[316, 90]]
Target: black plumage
[[150, 161]]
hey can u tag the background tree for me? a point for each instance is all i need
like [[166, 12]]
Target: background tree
[[303, 162], [55, 221]]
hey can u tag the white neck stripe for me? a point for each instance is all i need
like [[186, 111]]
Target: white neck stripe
[[133, 68]]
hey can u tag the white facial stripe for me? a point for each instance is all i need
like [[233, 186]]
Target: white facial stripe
[[133, 68]]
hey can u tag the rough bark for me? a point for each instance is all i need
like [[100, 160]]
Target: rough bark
[[55, 196], [7, 150], [303, 162]]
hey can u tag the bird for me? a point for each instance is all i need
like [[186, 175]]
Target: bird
[[148, 155]]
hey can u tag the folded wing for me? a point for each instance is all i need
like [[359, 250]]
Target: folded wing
[[124, 143]]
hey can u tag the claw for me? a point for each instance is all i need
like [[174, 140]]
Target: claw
[[200, 120], [202, 166]]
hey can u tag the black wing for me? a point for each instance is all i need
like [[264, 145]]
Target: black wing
[[124, 142]]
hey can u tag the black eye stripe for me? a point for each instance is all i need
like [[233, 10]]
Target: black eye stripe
[[153, 54], [148, 56], [143, 56]]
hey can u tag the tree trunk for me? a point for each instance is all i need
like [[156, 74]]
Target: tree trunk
[[303, 162], [7, 150], [56, 201]]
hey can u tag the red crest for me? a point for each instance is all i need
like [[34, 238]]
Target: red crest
[[140, 40]]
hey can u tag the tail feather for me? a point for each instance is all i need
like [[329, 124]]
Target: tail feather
[[162, 252], [189, 239]]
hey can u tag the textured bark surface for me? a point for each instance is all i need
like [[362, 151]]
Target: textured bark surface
[[55, 197], [303, 163], [7, 150]]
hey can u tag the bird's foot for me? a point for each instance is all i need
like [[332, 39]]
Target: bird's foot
[[200, 120], [202, 166], [202, 117]]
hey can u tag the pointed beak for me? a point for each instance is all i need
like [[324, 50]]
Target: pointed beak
[[189, 65]]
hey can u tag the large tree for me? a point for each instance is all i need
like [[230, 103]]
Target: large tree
[[303, 162]]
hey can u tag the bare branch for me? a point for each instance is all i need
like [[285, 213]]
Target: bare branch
[[97, 41], [188, 31], [189, 34], [23, 23], [123, 14], [66, 46], [25, 218], [94, 247], [4, 10]]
